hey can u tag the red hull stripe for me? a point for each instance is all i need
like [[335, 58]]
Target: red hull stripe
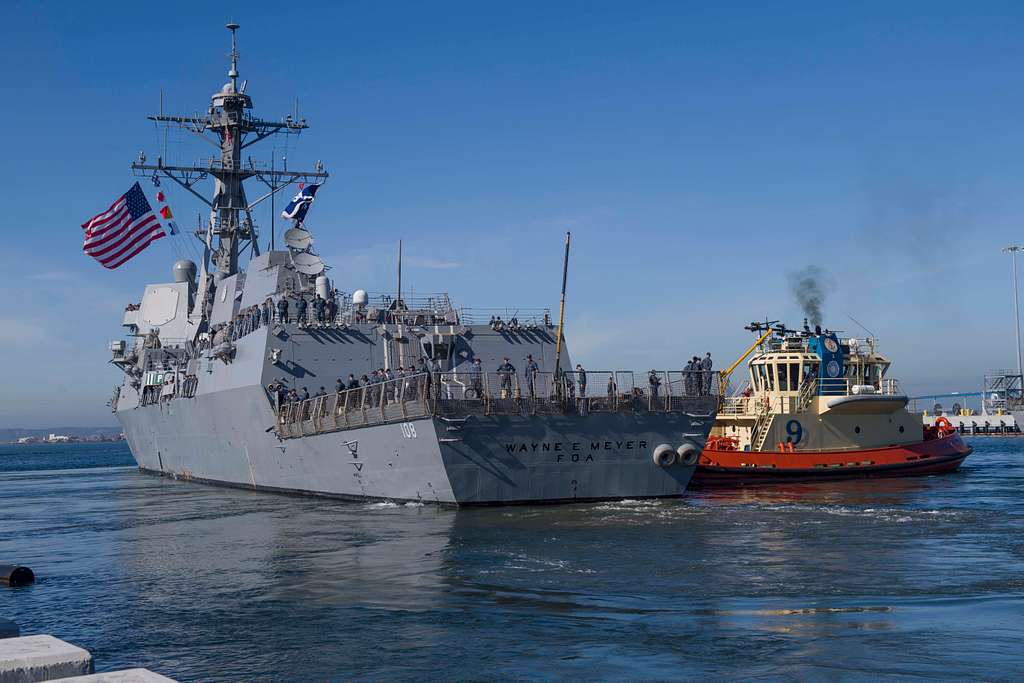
[[739, 467]]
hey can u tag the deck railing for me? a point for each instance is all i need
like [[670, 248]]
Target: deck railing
[[846, 386], [456, 395]]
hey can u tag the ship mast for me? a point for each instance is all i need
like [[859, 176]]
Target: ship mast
[[228, 127]]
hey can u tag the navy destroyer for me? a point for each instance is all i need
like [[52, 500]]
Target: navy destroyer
[[255, 370]]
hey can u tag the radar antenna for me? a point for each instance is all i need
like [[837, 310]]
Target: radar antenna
[[229, 128]]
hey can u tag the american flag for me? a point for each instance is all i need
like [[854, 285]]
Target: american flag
[[122, 231]]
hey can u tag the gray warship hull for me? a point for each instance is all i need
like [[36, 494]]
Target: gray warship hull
[[512, 444], [500, 459]]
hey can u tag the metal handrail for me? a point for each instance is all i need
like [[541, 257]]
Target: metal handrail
[[456, 394]]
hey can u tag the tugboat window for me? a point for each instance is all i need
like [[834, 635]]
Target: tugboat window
[[783, 377]]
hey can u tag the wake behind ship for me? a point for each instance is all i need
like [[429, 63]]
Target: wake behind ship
[[269, 377]]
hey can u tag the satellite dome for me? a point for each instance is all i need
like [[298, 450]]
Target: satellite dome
[[184, 271], [359, 297]]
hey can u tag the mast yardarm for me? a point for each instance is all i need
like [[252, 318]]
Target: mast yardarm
[[230, 128]]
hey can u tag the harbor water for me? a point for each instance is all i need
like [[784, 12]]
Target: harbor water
[[908, 579]]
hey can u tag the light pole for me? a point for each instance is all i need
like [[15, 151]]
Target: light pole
[[1012, 249]]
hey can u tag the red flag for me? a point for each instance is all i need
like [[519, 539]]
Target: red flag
[[160, 196], [165, 213]]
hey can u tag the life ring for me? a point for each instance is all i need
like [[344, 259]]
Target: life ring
[[664, 456], [944, 425], [470, 394]]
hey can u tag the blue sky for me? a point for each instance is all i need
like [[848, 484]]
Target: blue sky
[[697, 151]]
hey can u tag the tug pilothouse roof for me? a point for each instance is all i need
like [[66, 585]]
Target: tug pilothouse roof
[[785, 361]]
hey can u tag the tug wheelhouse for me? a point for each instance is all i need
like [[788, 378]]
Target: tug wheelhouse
[[816, 405]]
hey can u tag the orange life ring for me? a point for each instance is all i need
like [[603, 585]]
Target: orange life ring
[[944, 426]]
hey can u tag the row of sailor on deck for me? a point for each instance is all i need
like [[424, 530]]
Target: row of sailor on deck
[[319, 312], [380, 384], [697, 376]]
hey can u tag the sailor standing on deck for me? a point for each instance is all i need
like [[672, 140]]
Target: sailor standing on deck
[[705, 366], [282, 310], [532, 370], [505, 372], [389, 388], [476, 378], [300, 310], [400, 384], [318, 309], [654, 381], [331, 308], [688, 378]]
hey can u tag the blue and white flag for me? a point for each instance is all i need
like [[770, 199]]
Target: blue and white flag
[[300, 203]]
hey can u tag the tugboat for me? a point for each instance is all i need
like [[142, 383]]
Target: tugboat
[[817, 407]]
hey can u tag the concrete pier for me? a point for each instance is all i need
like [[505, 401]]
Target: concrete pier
[[31, 659], [41, 658]]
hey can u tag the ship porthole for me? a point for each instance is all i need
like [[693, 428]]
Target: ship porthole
[[902, 429], [856, 430]]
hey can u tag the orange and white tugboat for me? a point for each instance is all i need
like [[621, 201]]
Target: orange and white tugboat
[[817, 407]]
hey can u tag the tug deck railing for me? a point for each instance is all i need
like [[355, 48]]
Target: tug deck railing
[[453, 396]]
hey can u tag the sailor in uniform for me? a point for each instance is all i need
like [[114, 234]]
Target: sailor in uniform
[[532, 370], [476, 378], [282, 310], [705, 366], [654, 381], [505, 372]]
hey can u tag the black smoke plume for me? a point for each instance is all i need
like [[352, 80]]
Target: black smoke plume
[[809, 285]]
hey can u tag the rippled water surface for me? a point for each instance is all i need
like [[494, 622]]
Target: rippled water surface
[[913, 579]]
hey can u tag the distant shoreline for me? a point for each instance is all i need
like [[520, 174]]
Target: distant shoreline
[[43, 442], [18, 436]]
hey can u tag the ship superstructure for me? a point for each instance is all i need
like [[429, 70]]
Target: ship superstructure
[[273, 376], [816, 405]]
